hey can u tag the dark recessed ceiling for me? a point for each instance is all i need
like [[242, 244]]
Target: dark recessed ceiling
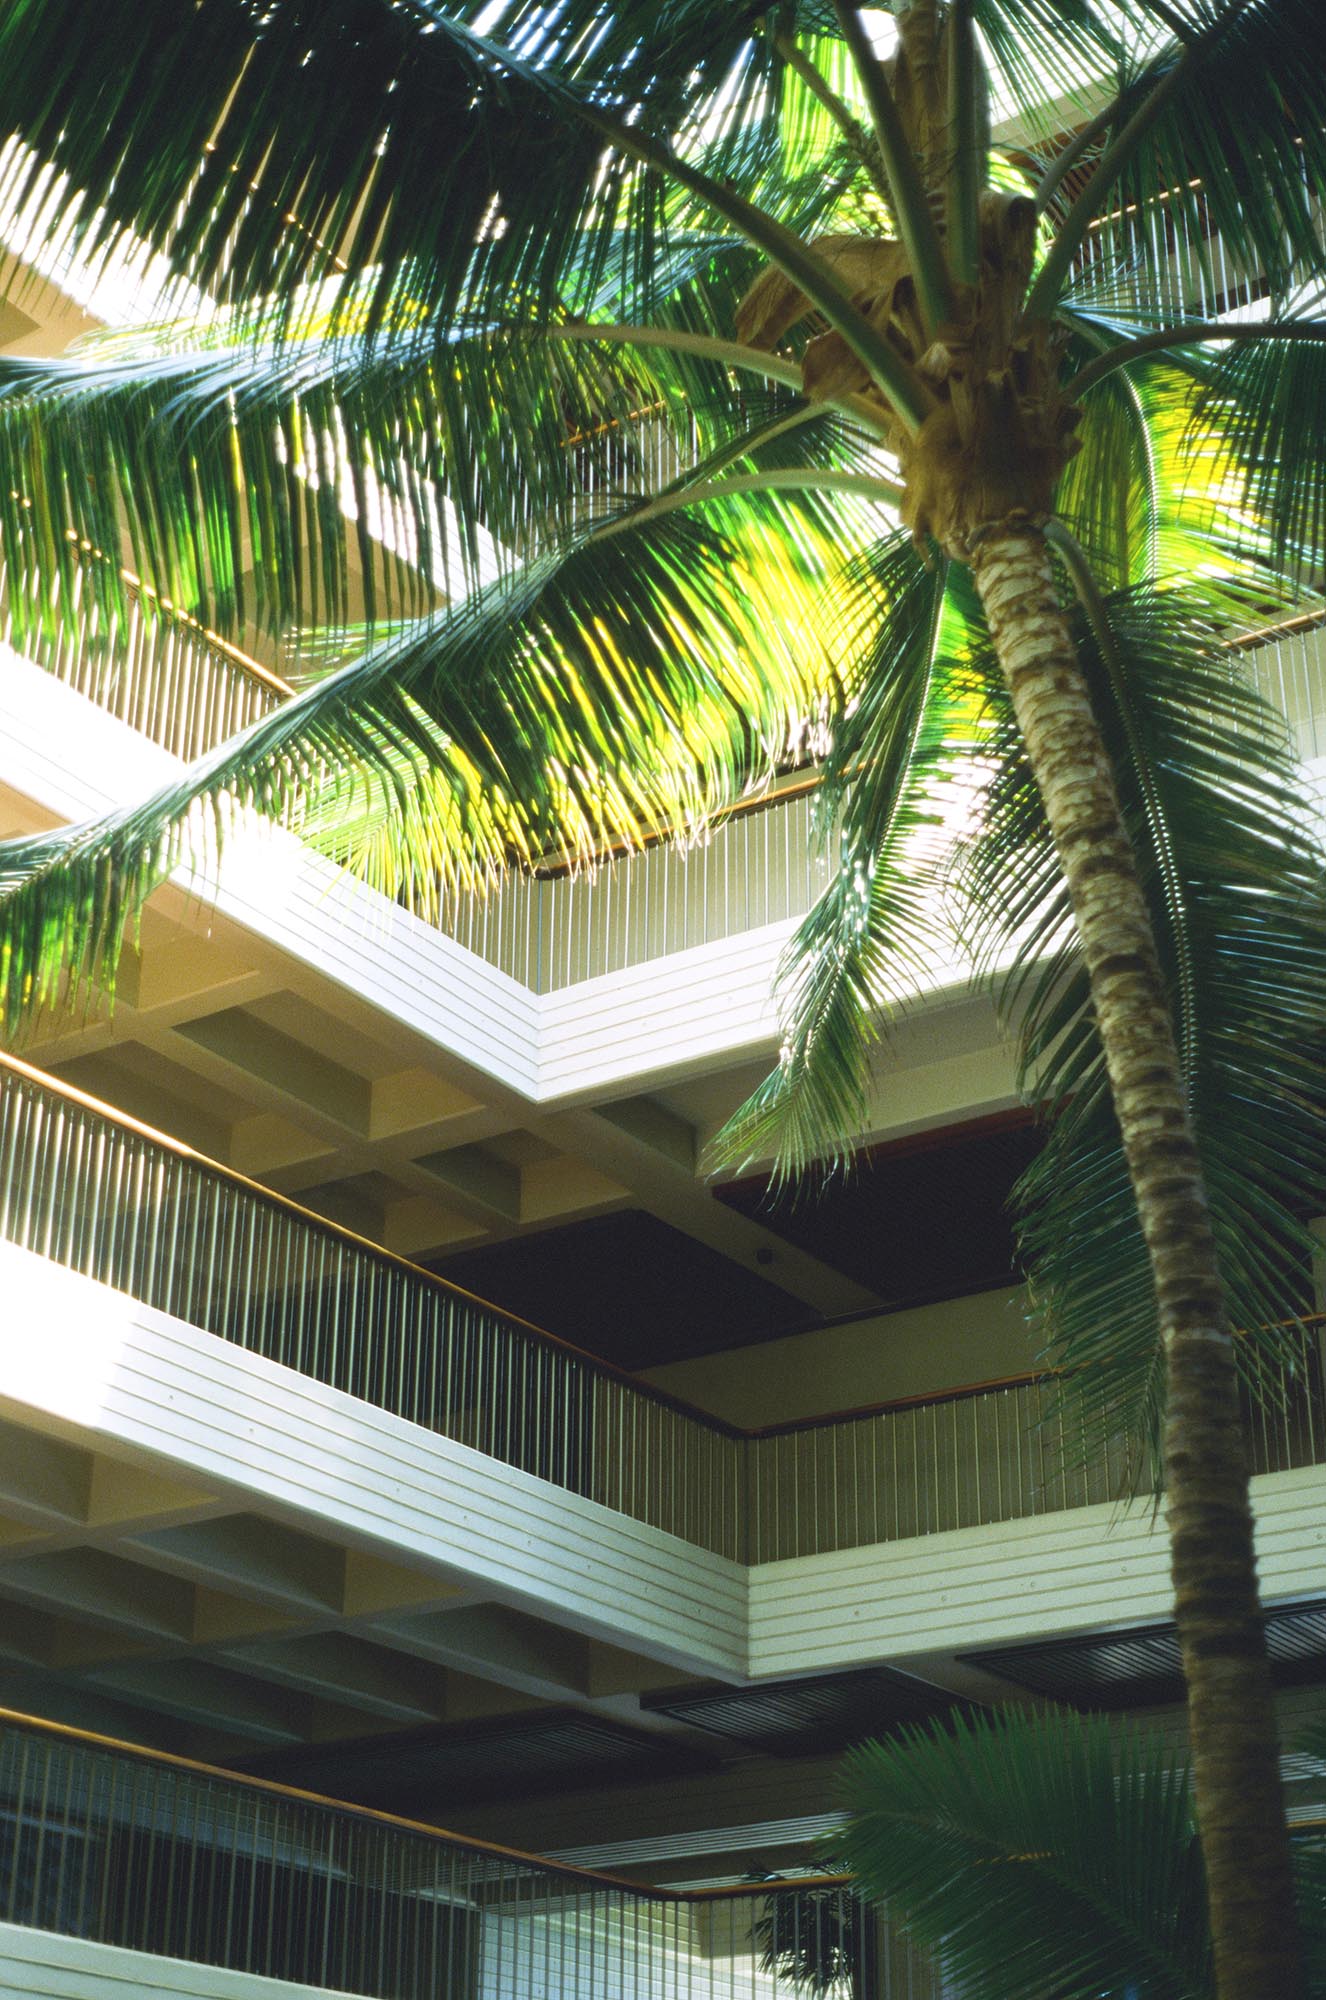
[[1141, 1669], [921, 1219], [807, 1717], [629, 1288], [423, 1772]]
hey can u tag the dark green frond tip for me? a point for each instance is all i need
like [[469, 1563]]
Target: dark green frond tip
[[898, 735], [1037, 1854]]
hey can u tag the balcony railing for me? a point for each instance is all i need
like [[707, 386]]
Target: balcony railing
[[992, 1451], [761, 864], [758, 865], [161, 673], [102, 1195], [1287, 667], [120, 1846]]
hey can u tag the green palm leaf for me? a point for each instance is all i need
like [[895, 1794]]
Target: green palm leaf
[[895, 738], [1222, 835], [1241, 146], [1049, 1856], [244, 475], [260, 148], [1263, 404], [628, 678], [1218, 133], [1178, 476]]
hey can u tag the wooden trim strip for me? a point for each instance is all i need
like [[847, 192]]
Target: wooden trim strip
[[707, 1420], [70, 1092], [955, 1394], [251, 668], [898, 1403], [552, 870], [90, 1739]]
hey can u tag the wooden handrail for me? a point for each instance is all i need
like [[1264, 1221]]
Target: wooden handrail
[[251, 668], [894, 1404], [272, 1788], [443, 1836], [324, 1224], [957, 1393], [707, 1419], [551, 870]]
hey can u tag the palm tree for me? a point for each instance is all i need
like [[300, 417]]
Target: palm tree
[[1051, 1853], [451, 254]]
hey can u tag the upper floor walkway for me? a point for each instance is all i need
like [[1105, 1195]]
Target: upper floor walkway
[[560, 985], [260, 1365], [123, 1871]]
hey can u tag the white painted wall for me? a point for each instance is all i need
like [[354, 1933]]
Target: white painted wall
[[41, 1965], [1084, 1571], [624, 1032], [115, 1372]]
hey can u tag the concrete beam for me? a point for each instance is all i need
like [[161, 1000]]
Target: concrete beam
[[265, 1562], [339, 1667], [496, 1644]]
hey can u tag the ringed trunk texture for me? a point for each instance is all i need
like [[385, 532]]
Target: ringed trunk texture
[[1239, 1805]]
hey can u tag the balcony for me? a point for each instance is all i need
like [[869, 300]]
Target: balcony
[[100, 1195], [760, 865], [123, 1870]]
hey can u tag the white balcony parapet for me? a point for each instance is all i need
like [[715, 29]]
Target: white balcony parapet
[[223, 1276], [132, 1873]]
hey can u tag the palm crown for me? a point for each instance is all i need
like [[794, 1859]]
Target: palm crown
[[463, 257]]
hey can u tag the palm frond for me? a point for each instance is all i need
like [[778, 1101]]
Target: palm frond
[[1161, 488], [1222, 832], [1045, 1854], [872, 930], [1261, 407], [259, 148], [621, 681], [244, 476], [1236, 149], [1109, 494], [1042, 55]]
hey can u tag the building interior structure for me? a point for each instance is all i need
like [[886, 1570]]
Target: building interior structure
[[395, 1412]]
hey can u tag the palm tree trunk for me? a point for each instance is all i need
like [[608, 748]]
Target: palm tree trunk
[[1239, 1805]]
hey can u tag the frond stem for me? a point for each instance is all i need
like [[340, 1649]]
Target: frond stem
[[1116, 157], [1184, 336], [1050, 279], [1081, 142], [786, 479], [1178, 27], [900, 382], [907, 194], [708, 347], [905, 388], [967, 164], [841, 112]]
